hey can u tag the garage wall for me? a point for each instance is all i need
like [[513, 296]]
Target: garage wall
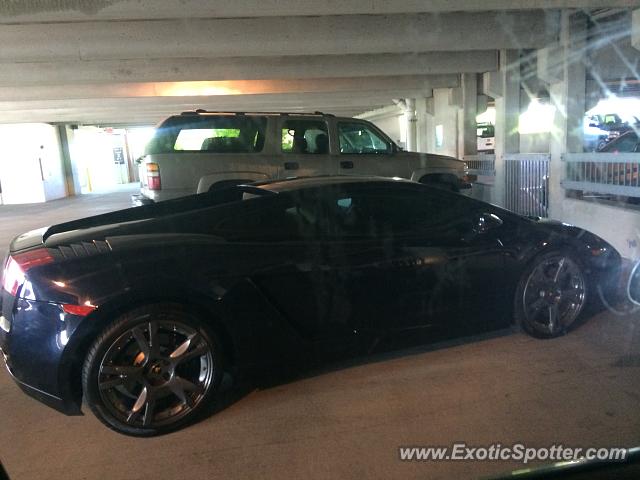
[[390, 120], [392, 125], [30, 163], [445, 123]]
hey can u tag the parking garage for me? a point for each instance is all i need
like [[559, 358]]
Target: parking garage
[[539, 103]]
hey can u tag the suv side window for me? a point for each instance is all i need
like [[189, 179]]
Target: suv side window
[[357, 137], [305, 136]]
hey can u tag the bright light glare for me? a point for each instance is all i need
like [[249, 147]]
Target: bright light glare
[[628, 109], [488, 116], [138, 139], [537, 119], [195, 89]]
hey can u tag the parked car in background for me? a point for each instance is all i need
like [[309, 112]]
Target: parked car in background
[[626, 143], [594, 134], [199, 151], [486, 138], [142, 310]]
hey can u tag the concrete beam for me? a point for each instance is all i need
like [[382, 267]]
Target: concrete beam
[[397, 85], [276, 36], [246, 68], [83, 10], [155, 109]]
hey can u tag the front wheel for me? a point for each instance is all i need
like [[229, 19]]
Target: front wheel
[[152, 370], [550, 295]]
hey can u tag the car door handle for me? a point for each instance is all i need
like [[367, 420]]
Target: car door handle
[[291, 166], [346, 164]]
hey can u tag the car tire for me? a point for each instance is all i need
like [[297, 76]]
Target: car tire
[[550, 294], [153, 370]]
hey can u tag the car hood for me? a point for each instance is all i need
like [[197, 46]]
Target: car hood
[[430, 160]]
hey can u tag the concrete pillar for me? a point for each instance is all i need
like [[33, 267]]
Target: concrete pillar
[[567, 91], [67, 166], [410, 119], [635, 29], [430, 121], [507, 98], [469, 89]]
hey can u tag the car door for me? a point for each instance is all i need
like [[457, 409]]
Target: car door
[[364, 150], [304, 148], [413, 258], [289, 265]]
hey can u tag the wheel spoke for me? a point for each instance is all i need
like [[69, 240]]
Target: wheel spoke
[[142, 399], [122, 370], [140, 403], [179, 386], [183, 347], [561, 264], [111, 383], [149, 410], [143, 344], [182, 353], [535, 307], [554, 317], [153, 338], [572, 294]]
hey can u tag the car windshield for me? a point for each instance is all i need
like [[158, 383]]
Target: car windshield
[[319, 239]]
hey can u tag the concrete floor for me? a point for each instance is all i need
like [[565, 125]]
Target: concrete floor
[[349, 420]]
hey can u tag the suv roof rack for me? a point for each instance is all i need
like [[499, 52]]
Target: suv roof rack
[[209, 112]]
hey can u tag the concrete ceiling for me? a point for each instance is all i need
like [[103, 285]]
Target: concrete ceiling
[[137, 61]]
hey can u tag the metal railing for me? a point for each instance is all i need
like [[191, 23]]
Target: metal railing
[[481, 164], [603, 173], [527, 183]]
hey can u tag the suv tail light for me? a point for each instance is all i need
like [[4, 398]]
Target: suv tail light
[[153, 177], [18, 265]]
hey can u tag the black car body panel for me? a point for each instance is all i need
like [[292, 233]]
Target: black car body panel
[[271, 294]]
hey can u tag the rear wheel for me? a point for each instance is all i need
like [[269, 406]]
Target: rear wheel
[[550, 295], [152, 371]]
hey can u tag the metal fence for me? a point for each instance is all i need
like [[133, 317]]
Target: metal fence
[[481, 164], [527, 184], [603, 173]]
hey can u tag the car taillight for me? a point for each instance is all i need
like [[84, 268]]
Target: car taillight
[[18, 265], [153, 176], [80, 310]]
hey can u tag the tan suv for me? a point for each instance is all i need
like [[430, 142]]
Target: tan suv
[[198, 151]]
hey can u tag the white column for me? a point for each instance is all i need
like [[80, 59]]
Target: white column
[[468, 142], [567, 91], [411, 120], [507, 116]]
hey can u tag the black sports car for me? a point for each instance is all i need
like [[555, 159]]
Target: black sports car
[[142, 310]]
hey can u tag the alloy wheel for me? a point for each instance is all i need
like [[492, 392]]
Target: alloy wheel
[[156, 373], [553, 295]]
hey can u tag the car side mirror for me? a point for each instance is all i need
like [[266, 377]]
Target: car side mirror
[[486, 222]]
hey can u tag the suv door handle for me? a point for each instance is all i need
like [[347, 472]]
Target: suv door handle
[[291, 166], [346, 164]]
